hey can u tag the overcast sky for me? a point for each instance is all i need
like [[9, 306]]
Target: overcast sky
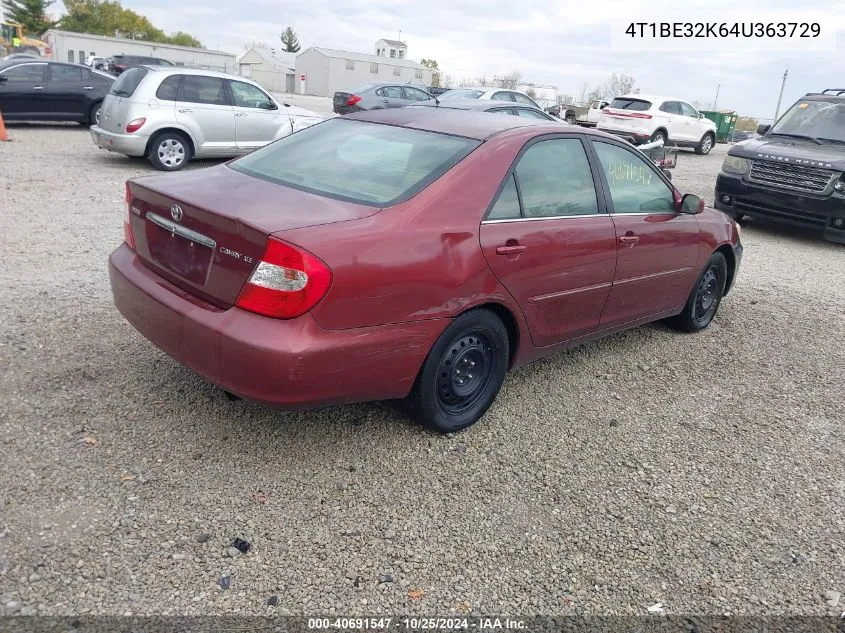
[[561, 43]]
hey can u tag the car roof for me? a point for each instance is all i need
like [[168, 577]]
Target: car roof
[[468, 123], [187, 70], [474, 104], [652, 98], [819, 96]]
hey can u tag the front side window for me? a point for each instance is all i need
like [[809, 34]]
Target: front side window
[[634, 185], [25, 72], [362, 162], [688, 110], [249, 96], [519, 98], [462, 93], [199, 89], [414, 94], [503, 96], [502, 111], [531, 114], [555, 179]]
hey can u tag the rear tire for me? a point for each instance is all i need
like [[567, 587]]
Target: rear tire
[[94, 114], [170, 151], [462, 374], [570, 118], [705, 144], [659, 135], [704, 298]]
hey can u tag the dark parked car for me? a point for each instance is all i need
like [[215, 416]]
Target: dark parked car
[[793, 173], [51, 91], [480, 105], [377, 96], [413, 253], [119, 63]]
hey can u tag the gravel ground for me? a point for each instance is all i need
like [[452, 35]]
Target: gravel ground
[[704, 472]]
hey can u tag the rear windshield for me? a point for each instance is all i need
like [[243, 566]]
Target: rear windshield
[[639, 105], [128, 82], [462, 93], [361, 162]]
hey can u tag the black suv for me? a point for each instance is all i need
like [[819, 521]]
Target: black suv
[[793, 173], [119, 63]]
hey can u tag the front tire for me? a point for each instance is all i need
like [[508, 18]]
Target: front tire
[[705, 144], [705, 297], [170, 151], [462, 374]]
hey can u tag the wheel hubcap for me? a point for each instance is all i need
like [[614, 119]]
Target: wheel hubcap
[[465, 372], [171, 152], [706, 144]]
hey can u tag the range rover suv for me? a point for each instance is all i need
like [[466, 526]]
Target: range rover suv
[[793, 173]]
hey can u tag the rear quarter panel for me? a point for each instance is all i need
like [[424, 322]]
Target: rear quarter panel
[[417, 260]]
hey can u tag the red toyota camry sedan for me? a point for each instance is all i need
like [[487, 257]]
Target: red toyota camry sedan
[[412, 253]]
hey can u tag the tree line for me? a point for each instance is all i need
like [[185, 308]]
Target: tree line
[[97, 17]]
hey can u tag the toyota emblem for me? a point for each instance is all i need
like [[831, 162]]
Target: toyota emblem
[[176, 212]]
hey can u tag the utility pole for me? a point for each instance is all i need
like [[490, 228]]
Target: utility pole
[[717, 96], [780, 96]]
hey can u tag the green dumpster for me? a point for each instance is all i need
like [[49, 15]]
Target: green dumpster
[[725, 123]]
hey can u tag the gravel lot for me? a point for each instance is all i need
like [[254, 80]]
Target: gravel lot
[[704, 472]]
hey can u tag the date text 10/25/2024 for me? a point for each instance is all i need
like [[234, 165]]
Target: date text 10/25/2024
[[416, 624]]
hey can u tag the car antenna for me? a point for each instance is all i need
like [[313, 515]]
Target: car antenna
[[436, 100]]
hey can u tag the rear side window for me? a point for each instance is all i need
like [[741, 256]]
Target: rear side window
[[555, 180], [357, 161], [522, 99], [503, 96], [128, 82], [637, 105], [199, 89], [60, 72], [169, 88], [672, 107], [531, 114], [507, 205], [390, 92]]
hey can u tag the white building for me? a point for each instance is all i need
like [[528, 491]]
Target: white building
[[328, 70], [392, 48], [76, 47], [275, 70]]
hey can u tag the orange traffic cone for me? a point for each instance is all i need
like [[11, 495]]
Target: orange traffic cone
[[3, 135]]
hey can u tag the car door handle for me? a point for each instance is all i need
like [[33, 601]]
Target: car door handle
[[87, 87], [240, 113], [185, 110], [38, 87], [510, 249], [629, 239]]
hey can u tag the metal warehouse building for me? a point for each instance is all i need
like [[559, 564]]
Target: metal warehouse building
[[327, 70], [76, 47]]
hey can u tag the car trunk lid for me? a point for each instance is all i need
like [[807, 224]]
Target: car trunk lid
[[206, 230]]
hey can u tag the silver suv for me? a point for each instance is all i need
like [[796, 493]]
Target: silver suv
[[173, 114]]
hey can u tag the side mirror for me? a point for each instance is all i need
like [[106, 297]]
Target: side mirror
[[602, 106], [667, 173], [691, 204], [763, 129], [700, 116]]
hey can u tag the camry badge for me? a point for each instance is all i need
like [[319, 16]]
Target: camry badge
[[176, 212]]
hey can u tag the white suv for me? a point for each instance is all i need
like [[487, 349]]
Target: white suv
[[642, 118], [172, 114]]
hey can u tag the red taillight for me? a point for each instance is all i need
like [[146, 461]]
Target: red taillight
[[128, 235], [352, 100], [286, 283], [134, 126]]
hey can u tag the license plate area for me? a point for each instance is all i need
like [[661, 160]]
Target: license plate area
[[181, 251]]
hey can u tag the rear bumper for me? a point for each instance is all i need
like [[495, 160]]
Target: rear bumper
[[633, 137], [817, 212], [285, 363], [345, 109], [128, 144]]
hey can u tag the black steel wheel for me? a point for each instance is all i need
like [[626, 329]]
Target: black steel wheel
[[462, 374], [705, 297]]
